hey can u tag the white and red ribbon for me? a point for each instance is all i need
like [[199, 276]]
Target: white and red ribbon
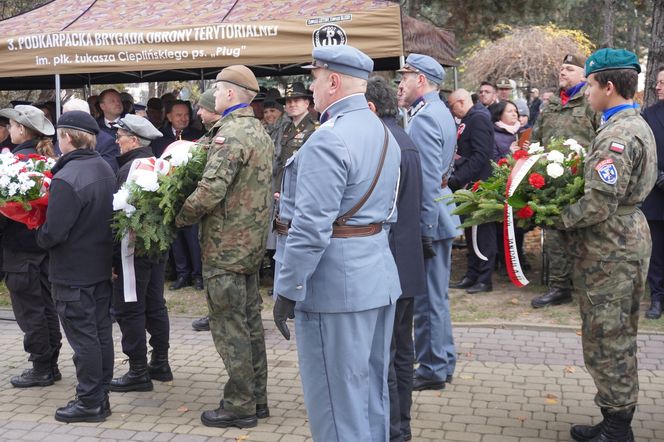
[[512, 263]]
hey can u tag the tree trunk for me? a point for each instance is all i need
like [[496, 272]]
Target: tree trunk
[[635, 31], [609, 18], [655, 52]]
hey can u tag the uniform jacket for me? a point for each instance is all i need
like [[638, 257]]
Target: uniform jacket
[[404, 235], [293, 138], [474, 146], [77, 231], [160, 144], [575, 119], [653, 206], [433, 131], [606, 223], [232, 199], [322, 181]]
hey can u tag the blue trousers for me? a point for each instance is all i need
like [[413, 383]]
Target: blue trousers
[[434, 343], [344, 360]]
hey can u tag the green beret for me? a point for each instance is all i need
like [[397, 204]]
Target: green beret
[[608, 59]]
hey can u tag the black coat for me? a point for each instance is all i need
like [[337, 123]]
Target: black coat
[[77, 231], [404, 237], [653, 206], [474, 147], [160, 144]]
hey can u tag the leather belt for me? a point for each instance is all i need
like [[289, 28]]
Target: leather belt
[[337, 231]]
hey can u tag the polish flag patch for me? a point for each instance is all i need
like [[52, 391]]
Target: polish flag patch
[[617, 147]]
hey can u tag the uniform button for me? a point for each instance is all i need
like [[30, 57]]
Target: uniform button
[[298, 287]]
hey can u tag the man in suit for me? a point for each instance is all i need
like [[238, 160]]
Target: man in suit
[[433, 131], [407, 251], [110, 105], [335, 273], [475, 145], [653, 206]]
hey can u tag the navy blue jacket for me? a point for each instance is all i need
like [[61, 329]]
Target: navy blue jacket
[[160, 144], [653, 206], [404, 236], [475, 147]]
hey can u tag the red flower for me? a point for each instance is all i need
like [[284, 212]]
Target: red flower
[[503, 162], [476, 185], [525, 212], [536, 180], [574, 169], [34, 156], [520, 154], [48, 174], [21, 157]]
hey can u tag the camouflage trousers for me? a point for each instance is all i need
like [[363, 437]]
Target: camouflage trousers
[[560, 262], [234, 305], [609, 293]]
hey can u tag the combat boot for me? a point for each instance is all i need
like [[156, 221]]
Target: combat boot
[[159, 368], [136, 379], [36, 376], [616, 426], [584, 433]]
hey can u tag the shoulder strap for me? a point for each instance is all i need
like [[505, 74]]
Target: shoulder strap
[[348, 215]]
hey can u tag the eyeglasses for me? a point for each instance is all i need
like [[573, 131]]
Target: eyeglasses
[[118, 136]]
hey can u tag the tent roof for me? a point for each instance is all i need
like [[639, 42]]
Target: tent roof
[[372, 25]]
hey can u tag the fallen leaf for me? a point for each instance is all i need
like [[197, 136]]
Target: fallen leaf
[[578, 333], [465, 376], [182, 409], [514, 301], [551, 399], [521, 418], [570, 369], [551, 396], [243, 437]]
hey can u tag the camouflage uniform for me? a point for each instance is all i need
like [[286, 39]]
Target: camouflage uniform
[[232, 202], [292, 139], [610, 241], [573, 120]]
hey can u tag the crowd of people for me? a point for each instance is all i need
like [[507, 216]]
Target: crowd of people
[[348, 208]]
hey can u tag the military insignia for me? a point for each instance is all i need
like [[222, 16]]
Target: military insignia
[[617, 147], [219, 140], [299, 135], [607, 171]]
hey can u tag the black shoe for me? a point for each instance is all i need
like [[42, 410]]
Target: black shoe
[[552, 297], [33, 378], [106, 407], [180, 283], [463, 284], [479, 288], [420, 384], [159, 368], [57, 376], [223, 418], [616, 427], [583, 433], [201, 324], [136, 379], [198, 283], [449, 379], [77, 411], [407, 436], [655, 310], [262, 410]]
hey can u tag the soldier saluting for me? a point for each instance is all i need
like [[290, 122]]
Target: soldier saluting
[[610, 241]]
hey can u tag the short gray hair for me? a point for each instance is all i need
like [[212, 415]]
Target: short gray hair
[[76, 104]]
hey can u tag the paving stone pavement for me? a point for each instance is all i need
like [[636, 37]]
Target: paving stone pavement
[[511, 384]]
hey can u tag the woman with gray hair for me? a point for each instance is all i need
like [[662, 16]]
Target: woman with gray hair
[[149, 311]]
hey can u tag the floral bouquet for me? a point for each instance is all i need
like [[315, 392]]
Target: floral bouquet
[[147, 204], [532, 184], [24, 183]]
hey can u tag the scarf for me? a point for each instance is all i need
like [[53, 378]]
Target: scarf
[[513, 129]]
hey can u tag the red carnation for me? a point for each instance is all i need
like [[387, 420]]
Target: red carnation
[[48, 174], [520, 154], [525, 212], [503, 162], [536, 180], [476, 185], [574, 169], [21, 157], [34, 156]]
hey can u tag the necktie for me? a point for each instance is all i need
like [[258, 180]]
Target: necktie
[[178, 134]]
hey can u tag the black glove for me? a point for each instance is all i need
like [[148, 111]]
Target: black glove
[[427, 247], [660, 180], [284, 309]]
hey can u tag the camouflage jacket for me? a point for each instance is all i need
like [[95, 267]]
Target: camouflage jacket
[[573, 120], [210, 132], [232, 199], [292, 138], [620, 170]]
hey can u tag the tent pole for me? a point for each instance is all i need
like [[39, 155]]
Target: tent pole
[[57, 97], [456, 79], [202, 88]]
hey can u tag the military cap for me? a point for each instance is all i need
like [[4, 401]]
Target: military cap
[[295, 90], [139, 107], [241, 76], [207, 100], [608, 59], [78, 120], [503, 83], [272, 104], [425, 65], [139, 126], [30, 117], [576, 60], [343, 59]]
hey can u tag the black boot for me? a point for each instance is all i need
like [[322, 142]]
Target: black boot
[[584, 433], [77, 411], [33, 377], [617, 427], [136, 379], [655, 310], [552, 297], [159, 368]]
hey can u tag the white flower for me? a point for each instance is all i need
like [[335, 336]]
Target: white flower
[[554, 170], [148, 181], [120, 198], [555, 156], [180, 156], [129, 210], [535, 148]]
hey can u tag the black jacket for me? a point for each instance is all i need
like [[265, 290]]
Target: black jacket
[[653, 206], [160, 144], [475, 148], [77, 231], [404, 237], [16, 236]]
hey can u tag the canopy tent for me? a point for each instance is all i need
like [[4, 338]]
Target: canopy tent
[[116, 41]]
